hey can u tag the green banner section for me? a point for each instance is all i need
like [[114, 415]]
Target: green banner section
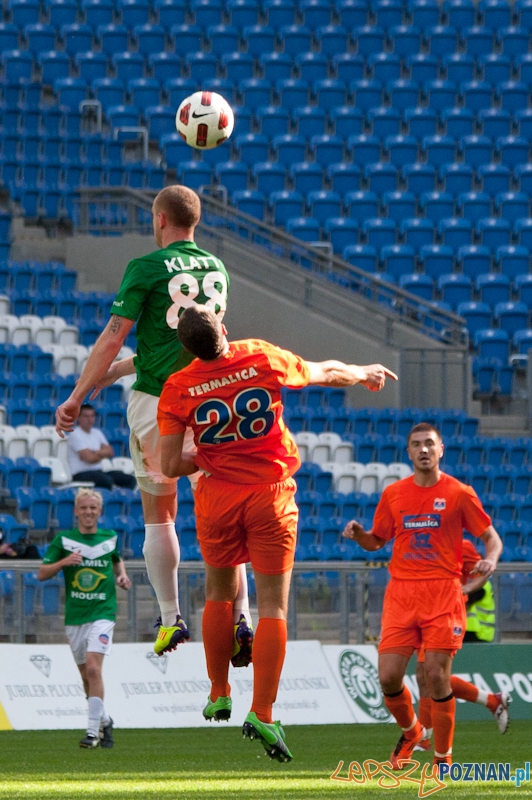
[[494, 668]]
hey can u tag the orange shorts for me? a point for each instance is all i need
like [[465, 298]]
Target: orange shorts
[[426, 612], [239, 522]]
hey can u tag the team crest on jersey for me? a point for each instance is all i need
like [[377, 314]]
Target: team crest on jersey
[[439, 503], [457, 630]]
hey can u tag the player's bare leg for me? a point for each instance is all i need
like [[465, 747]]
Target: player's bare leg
[[398, 700], [424, 709], [243, 626]]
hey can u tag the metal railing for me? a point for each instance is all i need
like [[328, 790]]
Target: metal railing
[[124, 210], [335, 602]]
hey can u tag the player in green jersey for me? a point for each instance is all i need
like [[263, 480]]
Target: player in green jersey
[[154, 291], [90, 562]]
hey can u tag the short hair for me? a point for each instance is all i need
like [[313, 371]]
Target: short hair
[[86, 407], [200, 332], [181, 206], [85, 493], [421, 427]]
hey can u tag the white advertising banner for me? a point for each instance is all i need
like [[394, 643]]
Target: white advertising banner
[[355, 669], [40, 688]]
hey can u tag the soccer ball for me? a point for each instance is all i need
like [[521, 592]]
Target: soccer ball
[[204, 120]]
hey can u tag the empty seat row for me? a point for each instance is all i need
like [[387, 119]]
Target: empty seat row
[[453, 422]]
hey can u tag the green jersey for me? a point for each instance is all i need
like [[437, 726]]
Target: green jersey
[[90, 586], [155, 289]]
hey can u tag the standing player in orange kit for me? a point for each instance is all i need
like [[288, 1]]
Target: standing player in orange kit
[[245, 510], [495, 702], [425, 514]]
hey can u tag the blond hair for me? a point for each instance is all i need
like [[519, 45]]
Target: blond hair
[[86, 493], [180, 204]]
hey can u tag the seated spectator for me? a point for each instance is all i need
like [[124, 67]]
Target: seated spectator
[[87, 447]]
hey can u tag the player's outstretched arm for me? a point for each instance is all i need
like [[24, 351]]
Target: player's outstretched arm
[[175, 463], [367, 540], [487, 565], [336, 373], [102, 356], [118, 369]]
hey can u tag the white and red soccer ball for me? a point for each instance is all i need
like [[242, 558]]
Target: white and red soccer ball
[[205, 120]]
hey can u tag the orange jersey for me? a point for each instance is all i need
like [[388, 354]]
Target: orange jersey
[[233, 405], [427, 524]]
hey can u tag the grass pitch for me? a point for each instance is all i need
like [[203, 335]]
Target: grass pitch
[[218, 763]]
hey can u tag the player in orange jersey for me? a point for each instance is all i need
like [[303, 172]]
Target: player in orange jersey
[[495, 702], [245, 510], [425, 514]]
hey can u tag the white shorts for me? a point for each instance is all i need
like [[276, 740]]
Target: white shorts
[[91, 637], [145, 445]]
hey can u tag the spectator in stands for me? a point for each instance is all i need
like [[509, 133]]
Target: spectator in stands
[[87, 447], [21, 549]]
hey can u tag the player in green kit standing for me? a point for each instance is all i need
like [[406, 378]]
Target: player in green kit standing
[[154, 291], [90, 562]]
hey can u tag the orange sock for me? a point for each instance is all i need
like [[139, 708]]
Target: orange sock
[[464, 690], [424, 712], [400, 706], [443, 716], [218, 633], [269, 648]]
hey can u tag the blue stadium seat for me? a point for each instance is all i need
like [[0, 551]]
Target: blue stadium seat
[[456, 178], [458, 67], [495, 68], [440, 94], [421, 122], [511, 316], [384, 66], [523, 65], [269, 177], [493, 287], [170, 12], [134, 12], [345, 119], [401, 150], [512, 205], [420, 285], [523, 231], [417, 232], [513, 41], [474, 259], [419, 178], [455, 289], [367, 148], [441, 39], [348, 66], [292, 92], [362, 205], [402, 93], [512, 150], [495, 178], [475, 150], [458, 122], [309, 120], [438, 150], [289, 148], [323, 205], [366, 93], [477, 316], [437, 205], [294, 38], [523, 176], [255, 92], [243, 12], [150, 38], [207, 12], [399, 205], [384, 121], [332, 39], [424, 13], [311, 66], [474, 205], [71, 91], [492, 343], [436, 259], [272, 120], [398, 259], [285, 204], [250, 202], [476, 95], [304, 228], [258, 39], [343, 177], [404, 39], [237, 66], [369, 39], [253, 147], [422, 67], [315, 12], [477, 40], [494, 232], [329, 93], [379, 232], [341, 232], [380, 177], [362, 256], [306, 177], [496, 14]]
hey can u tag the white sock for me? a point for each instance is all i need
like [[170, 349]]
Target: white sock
[[161, 551], [96, 711], [106, 719], [241, 604], [482, 698]]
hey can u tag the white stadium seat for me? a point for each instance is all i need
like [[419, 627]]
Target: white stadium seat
[[306, 441], [372, 478], [323, 450], [395, 472], [60, 471]]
